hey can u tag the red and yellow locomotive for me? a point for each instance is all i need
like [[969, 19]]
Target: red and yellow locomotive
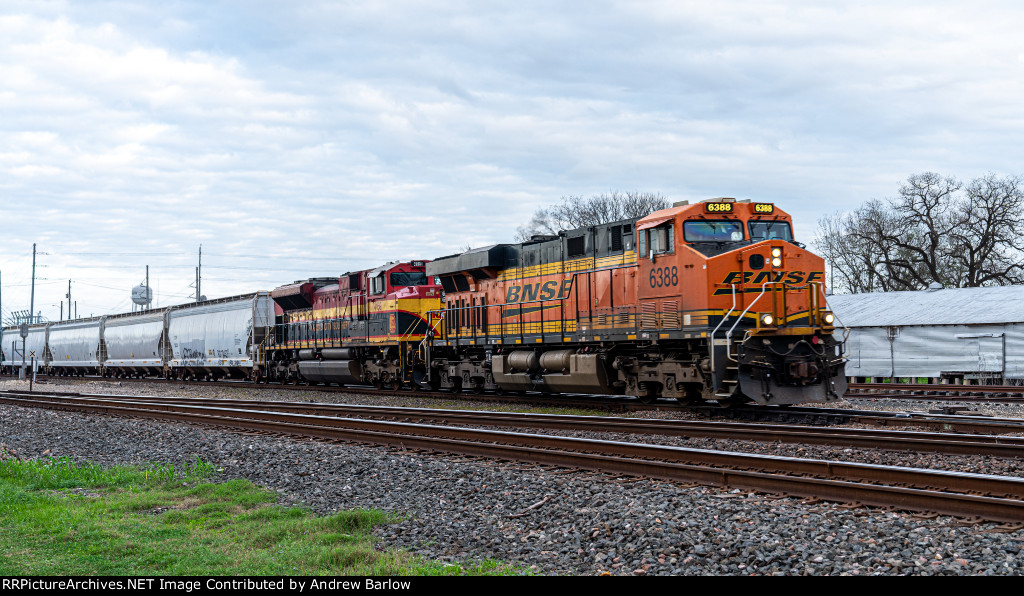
[[361, 327], [712, 301]]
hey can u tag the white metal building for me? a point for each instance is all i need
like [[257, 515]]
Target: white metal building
[[969, 335]]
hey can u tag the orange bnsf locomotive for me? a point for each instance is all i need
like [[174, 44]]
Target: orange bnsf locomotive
[[706, 302]]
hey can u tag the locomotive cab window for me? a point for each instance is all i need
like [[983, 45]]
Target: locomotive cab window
[[409, 278], [713, 231], [377, 284], [659, 240], [770, 230]]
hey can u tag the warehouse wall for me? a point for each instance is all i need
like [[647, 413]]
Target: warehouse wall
[[930, 351]]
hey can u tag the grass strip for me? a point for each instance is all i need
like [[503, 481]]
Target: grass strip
[[60, 517]]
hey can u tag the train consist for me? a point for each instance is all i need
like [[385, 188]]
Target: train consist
[[709, 302], [208, 340]]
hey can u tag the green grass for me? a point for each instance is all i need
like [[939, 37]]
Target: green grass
[[63, 518]]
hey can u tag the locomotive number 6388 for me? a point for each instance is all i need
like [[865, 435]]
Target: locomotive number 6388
[[662, 277]]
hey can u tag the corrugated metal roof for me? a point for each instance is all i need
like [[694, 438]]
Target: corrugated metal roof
[[954, 306]]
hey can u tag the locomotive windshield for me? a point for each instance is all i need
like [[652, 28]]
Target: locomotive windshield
[[409, 278], [712, 231], [770, 230]]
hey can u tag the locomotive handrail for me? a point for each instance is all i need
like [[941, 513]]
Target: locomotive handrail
[[715, 330], [519, 305], [764, 288], [728, 334]]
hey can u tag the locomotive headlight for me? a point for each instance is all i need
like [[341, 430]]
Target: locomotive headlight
[[829, 318], [776, 261], [767, 320], [776, 252]]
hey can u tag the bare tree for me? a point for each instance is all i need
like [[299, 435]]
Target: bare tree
[[574, 211], [987, 242], [935, 231]]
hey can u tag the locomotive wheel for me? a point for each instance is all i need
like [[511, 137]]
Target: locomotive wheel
[[648, 392]]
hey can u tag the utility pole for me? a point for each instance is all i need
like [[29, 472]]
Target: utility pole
[[69, 301], [199, 276], [32, 303]]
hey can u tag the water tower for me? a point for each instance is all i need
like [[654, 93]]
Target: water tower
[[142, 294]]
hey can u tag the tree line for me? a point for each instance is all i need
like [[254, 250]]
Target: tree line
[[937, 230], [575, 211]]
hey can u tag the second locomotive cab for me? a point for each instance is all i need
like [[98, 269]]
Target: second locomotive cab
[[713, 301], [361, 327]]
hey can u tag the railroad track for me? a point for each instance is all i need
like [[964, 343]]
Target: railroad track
[[953, 422], [943, 392], [856, 391], [609, 403], [959, 422], [949, 443], [994, 498]]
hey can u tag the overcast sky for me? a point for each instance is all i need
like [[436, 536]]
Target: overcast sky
[[298, 139]]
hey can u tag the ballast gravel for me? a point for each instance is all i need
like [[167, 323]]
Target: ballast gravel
[[550, 520]]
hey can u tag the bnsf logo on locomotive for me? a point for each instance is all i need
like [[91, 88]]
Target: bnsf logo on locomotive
[[790, 277], [538, 291]]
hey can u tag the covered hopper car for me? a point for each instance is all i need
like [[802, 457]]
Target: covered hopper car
[[208, 340]]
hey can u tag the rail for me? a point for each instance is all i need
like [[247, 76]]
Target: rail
[[997, 498]]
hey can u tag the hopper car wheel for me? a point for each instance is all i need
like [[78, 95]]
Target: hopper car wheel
[[396, 384]]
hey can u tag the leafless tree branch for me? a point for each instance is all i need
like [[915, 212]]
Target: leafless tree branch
[[937, 230], [575, 211]]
